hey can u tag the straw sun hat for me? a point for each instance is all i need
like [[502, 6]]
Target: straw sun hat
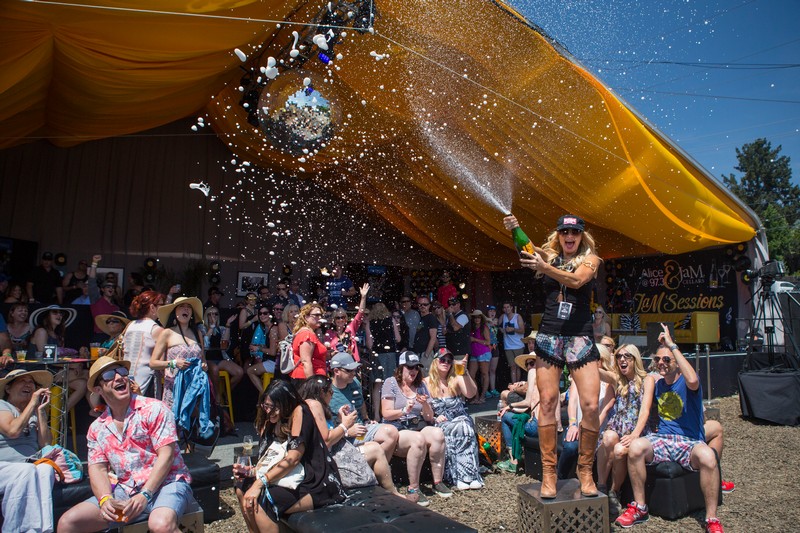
[[42, 378], [100, 365], [197, 309]]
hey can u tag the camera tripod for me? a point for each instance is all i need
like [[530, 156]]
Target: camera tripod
[[768, 322]]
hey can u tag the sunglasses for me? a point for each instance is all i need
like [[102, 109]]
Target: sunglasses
[[213, 314], [446, 360], [569, 231], [348, 370], [113, 321], [626, 355], [424, 304], [339, 317], [415, 367], [109, 374], [657, 359]]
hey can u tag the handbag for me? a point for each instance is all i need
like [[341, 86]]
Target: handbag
[[354, 470], [274, 454], [67, 465]]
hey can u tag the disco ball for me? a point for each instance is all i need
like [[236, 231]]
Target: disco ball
[[297, 112]]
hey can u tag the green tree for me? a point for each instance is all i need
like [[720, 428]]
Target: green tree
[[766, 187]]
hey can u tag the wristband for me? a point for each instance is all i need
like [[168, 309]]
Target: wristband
[[94, 265], [147, 495], [171, 364], [104, 499], [344, 428], [673, 347]]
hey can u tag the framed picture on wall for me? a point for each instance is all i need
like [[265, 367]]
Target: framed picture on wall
[[250, 281], [119, 274]]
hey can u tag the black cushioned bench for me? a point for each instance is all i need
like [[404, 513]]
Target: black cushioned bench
[[372, 509], [205, 487]]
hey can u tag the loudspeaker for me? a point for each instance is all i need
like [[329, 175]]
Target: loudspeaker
[[772, 395], [654, 329], [791, 321]]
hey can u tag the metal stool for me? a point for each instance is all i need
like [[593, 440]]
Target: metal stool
[[265, 379], [226, 378]]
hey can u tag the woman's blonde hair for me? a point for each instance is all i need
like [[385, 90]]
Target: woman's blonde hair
[[553, 251], [606, 357], [638, 367], [434, 381], [302, 316], [379, 312], [289, 312]]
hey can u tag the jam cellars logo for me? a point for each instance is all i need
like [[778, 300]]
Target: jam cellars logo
[[670, 277]]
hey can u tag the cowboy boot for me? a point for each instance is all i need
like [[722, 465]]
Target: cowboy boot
[[586, 448], [547, 448]]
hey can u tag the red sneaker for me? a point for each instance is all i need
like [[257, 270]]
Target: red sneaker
[[632, 516], [727, 487], [713, 525]]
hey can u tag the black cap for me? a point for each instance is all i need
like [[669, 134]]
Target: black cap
[[47, 256], [570, 222]]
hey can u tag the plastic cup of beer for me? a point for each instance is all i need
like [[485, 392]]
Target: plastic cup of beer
[[22, 355], [460, 365], [95, 350]]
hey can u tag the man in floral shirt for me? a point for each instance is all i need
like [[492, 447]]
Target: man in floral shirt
[[135, 440]]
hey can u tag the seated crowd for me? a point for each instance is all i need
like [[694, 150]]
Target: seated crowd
[[319, 432]]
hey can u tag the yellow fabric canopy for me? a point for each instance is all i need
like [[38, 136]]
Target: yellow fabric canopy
[[451, 113]]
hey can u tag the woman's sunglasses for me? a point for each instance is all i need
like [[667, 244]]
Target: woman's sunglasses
[[626, 355], [569, 231]]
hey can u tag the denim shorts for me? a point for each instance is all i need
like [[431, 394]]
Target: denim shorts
[[560, 350], [176, 495]]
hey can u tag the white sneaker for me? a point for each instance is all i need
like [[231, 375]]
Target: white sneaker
[[462, 485], [476, 485]]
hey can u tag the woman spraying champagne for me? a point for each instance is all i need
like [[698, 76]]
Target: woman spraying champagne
[[569, 264]]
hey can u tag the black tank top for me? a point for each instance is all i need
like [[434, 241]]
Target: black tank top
[[580, 321]]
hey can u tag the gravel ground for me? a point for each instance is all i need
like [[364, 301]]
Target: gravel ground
[[760, 458]]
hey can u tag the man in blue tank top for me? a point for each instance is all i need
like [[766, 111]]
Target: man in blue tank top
[[680, 436]]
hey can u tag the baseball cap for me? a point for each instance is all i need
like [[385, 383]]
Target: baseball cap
[[442, 352], [344, 360], [570, 222], [408, 358], [491, 308]]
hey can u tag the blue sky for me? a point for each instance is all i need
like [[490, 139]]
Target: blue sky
[[737, 89]]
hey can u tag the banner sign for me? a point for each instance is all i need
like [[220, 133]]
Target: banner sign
[[696, 281]]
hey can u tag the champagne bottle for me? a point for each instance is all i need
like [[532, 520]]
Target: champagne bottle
[[521, 241], [713, 279]]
